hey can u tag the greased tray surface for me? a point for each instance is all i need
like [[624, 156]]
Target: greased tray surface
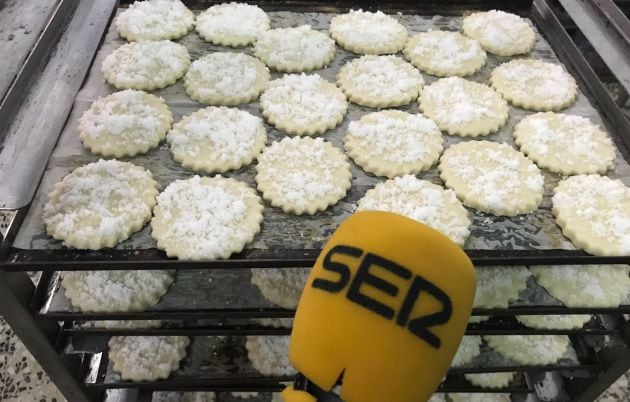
[[281, 231]]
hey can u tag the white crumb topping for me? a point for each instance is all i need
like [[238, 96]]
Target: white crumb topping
[[490, 380], [182, 396], [303, 100], [530, 349], [244, 395], [283, 47], [479, 397], [386, 77], [499, 32], [270, 354], [155, 20], [569, 321], [467, 351], [281, 286], [445, 51], [229, 22], [422, 201], [364, 30], [597, 210], [141, 358], [498, 286]]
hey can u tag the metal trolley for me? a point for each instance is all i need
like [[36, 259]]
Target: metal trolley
[[78, 28]]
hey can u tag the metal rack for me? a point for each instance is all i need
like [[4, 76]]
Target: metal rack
[[85, 374]]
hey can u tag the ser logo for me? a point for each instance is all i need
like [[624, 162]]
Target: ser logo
[[365, 276]]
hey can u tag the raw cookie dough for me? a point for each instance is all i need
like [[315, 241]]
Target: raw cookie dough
[[303, 175], [530, 349], [146, 65], [303, 104], [569, 321], [490, 380], [281, 286], [492, 177], [479, 397], [217, 139], [498, 286], [462, 107], [380, 81], [565, 144], [154, 20], [205, 218], [270, 354], [500, 33], [594, 212], [393, 143], [232, 24], [294, 50], [115, 291], [365, 32], [226, 78], [534, 84], [422, 201], [445, 53], [146, 358], [585, 285], [100, 204], [468, 350], [125, 123]]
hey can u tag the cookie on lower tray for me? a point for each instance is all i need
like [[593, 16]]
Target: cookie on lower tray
[[498, 286], [281, 286], [294, 50], [125, 123], [479, 397], [568, 321], [232, 24], [100, 204], [176, 396], [530, 349], [445, 53], [380, 81], [217, 139], [154, 20], [490, 380], [462, 107], [500, 33], [270, 354], [594, 213], [585, 285], [565, 144], [422, 201], [303, 175], [146, 358], [205, 218], [492, 177], [146, 65], [534, 84], [226, 78], [115, 291], [355, 31], [393, 143], [469, 348]]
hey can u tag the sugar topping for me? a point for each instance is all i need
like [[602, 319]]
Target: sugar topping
[[155, 20], [183, 396], [270, 354], [497, 286], [499, 32], [596, 209], [422, 201], [281, 286], [147, 357], [480, 397], [490, 380], [286, 49], [232, 24], [445, 53], [368, 32], [569, 321], [468, 350], [206, 218], [530, 349]]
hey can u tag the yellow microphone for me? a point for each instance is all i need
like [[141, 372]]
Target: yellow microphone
[[383, 311]]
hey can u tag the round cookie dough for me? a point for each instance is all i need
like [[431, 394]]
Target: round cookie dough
[[281, 286], [585, 285], [154, 20], [534, 84], [303, 104], [226, 78], [565, 144], [217, 139], [529, 350], [479, 397], [569, 321], [125, 123], [492, 177], [270, 354], [594, 212], [464, 108], [445, 53], [500, 33], [303, 175], [115, 291], [146, 65], [422, 201], [498, 286], [365, 32], [205, 218], [490, 380], [232, 24], [146, 358], [393, 143], [100, 204], [469, 348], [294, 50], [380, 81]]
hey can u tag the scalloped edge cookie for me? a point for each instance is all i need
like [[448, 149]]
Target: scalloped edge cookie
[[270, 354], [500, 33], [490, 380], [175, 20], [146, 358], [530, 349], [281, 286], [568, 321], [354, 31], [240, 24], [469, 348], [498, 286]]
